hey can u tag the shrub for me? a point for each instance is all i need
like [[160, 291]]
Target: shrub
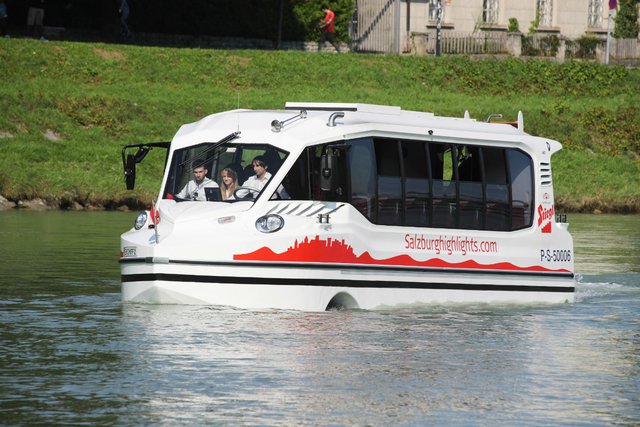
[[514, 27], [547, 46], [308, 13], [533, 28], [586, 47], [627, 20]]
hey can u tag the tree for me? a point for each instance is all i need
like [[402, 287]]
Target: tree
[[309, 14], [627, 20]]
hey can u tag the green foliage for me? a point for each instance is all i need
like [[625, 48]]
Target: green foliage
[[584, 181], [309, 14], [586, 47], [533, 28], [98, 111], [68, 108], [613, 133], [249, 19], [536, 77], [547, 46], [550, 45], [627, 20], [514, 27]]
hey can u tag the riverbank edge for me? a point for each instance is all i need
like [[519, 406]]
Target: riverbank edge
[[135, 204]]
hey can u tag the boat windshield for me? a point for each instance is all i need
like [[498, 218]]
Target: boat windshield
[[215, 172]]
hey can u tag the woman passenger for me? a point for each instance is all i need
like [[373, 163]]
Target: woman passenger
[[229, 183]]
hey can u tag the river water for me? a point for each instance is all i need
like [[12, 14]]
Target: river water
[[72, 353]]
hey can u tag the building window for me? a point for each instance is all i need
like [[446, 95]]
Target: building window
[[436, 6], [543, 10], [490, 11], [595, 13]]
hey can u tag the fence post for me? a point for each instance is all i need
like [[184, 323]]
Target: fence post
[[396, 29], [514, 44], [561, 54], [601, 48]]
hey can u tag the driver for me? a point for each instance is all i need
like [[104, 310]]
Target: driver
[[261, 177], [194, 190]]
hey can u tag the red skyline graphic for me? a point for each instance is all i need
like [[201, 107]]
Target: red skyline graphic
[[339, 252]]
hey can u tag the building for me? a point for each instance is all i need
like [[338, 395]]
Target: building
[[389, 25]]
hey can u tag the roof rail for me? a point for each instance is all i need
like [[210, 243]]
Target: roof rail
[[325, 106]]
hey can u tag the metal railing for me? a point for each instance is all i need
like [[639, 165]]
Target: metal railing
[[469, 43], [376, 27]]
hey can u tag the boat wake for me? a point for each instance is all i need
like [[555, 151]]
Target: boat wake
[[590, 287]]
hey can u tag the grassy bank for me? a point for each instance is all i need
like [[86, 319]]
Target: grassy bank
[[67, 109]]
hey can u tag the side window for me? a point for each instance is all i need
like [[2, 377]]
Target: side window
[[362, 172], [444, 210], [416, 184], [521, 173], [390, 206], [498, 216], [471, 207], [302, 181], [182, 165], [298, 181], [440, 185]]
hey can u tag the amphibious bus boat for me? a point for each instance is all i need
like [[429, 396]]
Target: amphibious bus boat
[[329, 206]]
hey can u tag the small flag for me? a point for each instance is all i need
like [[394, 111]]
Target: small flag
[[613, 4], [155, 214]]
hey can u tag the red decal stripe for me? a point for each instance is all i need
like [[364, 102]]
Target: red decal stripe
[[338, 252]]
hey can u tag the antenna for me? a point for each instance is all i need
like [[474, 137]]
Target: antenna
[[238, 114], [520, 121]]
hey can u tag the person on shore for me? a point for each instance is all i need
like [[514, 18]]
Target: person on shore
[[123, 11], [194, 190], [327, 29], [3, 18], [229, 183], [35, 19]]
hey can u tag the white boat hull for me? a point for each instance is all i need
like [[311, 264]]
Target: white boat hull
[[319, 289]]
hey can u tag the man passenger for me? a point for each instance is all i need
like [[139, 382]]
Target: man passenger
[[194, 190], [261, 177]]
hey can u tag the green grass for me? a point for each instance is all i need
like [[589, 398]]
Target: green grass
[[94, 98]]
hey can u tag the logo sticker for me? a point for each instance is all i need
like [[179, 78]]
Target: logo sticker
[[545, 215]]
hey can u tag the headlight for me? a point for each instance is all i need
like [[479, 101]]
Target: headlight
[[269, 223], [141, 220]]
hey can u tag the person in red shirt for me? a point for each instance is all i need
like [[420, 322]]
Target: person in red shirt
[[327, 28]]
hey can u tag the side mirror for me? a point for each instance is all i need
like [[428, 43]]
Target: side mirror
[[329, 172], [130, 171], [129, 160], [141, 154]]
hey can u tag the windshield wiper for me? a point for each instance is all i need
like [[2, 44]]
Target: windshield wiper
[[224, 140]]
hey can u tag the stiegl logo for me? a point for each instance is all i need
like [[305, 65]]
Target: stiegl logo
[[545, 215]]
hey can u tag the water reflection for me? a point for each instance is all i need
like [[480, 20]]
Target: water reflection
[[548, 365], [72, 353], [606, 243]]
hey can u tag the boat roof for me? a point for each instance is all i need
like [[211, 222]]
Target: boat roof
[[306, 123]]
